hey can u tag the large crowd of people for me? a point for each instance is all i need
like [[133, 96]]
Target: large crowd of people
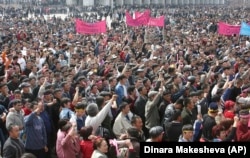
[[65, 94]]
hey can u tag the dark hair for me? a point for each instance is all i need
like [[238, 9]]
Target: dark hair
[[111, 79], [180, 101], [215, 98], [63, 84], [187, 127], [97, 143], [217, 129], [15, 57], [99, 101], [176, 114], [81, 105], [134, 118], [186, 101], [166, 92], [32, 104], [130, 89], [63, 124], [16, 101], [85, 132], [64, 101], [123, 105], [140, 88], [133, 132], [92, 86], [121, 77], [137, 79], [120, 68], [145, 81]]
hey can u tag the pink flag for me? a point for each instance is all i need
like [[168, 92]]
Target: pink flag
[[141, 20], [90, 28], [156, 21], [226, 29]]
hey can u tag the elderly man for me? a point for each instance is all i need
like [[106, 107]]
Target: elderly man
[[16, 115], [122, 121], [151, 109], [13, 147], [156, 134]]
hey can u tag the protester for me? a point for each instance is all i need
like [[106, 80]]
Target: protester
[[67, 143], [15, 116], [86, 144], [221, 134], [187, 133], [242, 132], [36, 136], [122, 121], [156, 134], [13, 147], [100, 148]]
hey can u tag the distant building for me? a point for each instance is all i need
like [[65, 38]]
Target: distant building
[[148, 2]]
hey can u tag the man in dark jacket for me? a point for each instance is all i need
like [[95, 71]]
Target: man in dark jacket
[[186, 113], [173, 129], [4, 100], [209, 121], [13, 147], [236, 89], [140, 104]]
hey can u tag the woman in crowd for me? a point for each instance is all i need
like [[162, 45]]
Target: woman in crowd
[[86, 144], [68, 143], [220, 133], [101, 148]]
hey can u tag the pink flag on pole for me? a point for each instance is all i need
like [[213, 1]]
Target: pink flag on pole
[[156, 21], [90, 28], [141, 20], [226, 29]]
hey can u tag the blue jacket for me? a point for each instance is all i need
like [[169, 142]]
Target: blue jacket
[[66, 113], [36, 137], [226, 94], [178, 94], [80, 122], [197, 130], [120, 93], [47, 121]]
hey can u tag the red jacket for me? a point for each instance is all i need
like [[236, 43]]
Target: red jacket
[[87, 148], [122, 56], [242, 133]]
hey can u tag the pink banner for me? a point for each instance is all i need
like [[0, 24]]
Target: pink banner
[[90, 28], [226, 29], [156, 21], [141, 20], [138, 14]]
